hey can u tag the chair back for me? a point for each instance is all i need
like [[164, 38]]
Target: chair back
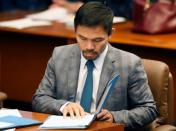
[[161, 84]]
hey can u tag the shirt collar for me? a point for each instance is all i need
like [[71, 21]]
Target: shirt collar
[[97, 62]]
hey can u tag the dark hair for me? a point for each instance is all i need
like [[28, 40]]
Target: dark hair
[[93, 14]]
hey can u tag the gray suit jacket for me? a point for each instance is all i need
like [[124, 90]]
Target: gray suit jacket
[[131, 101]]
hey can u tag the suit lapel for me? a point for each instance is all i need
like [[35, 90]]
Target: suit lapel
[[73, 73], [108, 71]]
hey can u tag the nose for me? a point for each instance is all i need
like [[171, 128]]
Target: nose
[[90, 45]]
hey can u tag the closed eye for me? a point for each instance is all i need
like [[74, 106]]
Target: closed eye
[[98, 40], [82, 38]]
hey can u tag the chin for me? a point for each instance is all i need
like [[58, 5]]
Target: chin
[[90, 57]]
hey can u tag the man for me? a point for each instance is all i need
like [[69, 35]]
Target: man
[[62, 89], [120, 7]]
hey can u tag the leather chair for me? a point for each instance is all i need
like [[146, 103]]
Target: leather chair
[[161, 83], [3, 96]]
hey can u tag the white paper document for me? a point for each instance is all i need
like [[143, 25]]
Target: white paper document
[[11, 118], [62, 15], [6, 112], [9, 112], [118, 19], [5, 125], [24, 23], [59, 122], [44, 18], [58, 13], [54, 14], [10, 129]]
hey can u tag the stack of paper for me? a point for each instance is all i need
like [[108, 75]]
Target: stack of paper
[[62, 15], [24, 23], [54, 14], [4, 125], [5, 112], [11, 118], [44, 18], [15, 121], [59, 122], [118, 19]]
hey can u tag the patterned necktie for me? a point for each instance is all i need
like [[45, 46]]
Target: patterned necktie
[[86, 98]]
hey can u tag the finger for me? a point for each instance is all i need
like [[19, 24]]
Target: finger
[[77, 110], [71, 112], [105, 117], [109, 118], [65, 112], [77, 113], [82, 112], [101, 114]]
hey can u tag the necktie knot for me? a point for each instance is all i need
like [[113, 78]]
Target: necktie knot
[[90, 65]]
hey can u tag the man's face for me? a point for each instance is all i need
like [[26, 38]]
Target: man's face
[[91, 40]]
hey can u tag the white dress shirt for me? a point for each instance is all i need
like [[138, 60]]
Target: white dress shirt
[[96, 78]]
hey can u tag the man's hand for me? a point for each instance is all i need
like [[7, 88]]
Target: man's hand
[[105, 115], [74, 110]]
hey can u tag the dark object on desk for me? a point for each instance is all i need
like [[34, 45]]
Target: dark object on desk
[[161, 84], [174, 123], [3, 96], [154, 18], [31, 5]]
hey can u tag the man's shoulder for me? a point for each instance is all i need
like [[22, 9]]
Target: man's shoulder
[[66, 47], [65, 52], [118, 53]]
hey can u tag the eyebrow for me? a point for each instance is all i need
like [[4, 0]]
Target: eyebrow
[[91, 39]]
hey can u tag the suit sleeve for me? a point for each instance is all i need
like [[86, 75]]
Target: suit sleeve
[[44, 99], [142, 108]]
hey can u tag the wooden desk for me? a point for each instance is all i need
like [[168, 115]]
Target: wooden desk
[[122, 33], [95, 126], [24, 53]]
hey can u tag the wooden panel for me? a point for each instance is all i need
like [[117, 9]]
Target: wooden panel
[[24, 60], [123, 35]]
